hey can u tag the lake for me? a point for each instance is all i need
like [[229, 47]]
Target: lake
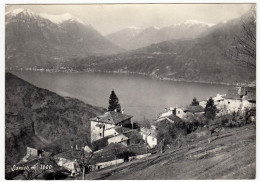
[[140, 96]]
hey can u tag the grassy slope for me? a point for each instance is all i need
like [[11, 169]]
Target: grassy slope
[[232, 155], [40, 118]]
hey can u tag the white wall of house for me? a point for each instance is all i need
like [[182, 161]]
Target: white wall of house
[[247, 105], [107, 164], [96, 132], [118, 139], [180, 113], [139, 156], [203, 103], [32, 151], [151, 141], [110, 131], [221, 105], [100, 132], [233, 105], [67, 164]]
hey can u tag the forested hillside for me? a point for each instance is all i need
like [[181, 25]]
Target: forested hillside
[[40, 118]]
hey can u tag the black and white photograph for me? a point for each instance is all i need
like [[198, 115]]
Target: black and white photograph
[[150, 91]]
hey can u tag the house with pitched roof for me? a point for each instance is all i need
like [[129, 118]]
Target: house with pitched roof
[[181, 112], [105, 124], [122, 139], [150, 136], [238, 99]]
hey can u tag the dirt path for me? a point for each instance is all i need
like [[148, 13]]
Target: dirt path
[[232, 155]]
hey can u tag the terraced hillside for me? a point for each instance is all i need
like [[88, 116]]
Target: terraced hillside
[[231, 155]]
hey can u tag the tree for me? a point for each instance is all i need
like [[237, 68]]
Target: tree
[[210, 109], [195, 102], [114, 102], [243, 50], [84, 162]]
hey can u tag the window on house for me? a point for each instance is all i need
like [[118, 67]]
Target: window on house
[[179, 112], [100, 134], [100, 127], [228, 102]]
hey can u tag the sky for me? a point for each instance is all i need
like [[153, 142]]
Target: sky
[[109, 18]]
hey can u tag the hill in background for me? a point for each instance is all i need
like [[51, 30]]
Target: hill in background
[[40, 118]]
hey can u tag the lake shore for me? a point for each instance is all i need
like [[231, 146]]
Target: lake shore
[[153, 76]]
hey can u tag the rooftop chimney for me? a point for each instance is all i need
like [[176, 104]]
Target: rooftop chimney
[[122, 111]]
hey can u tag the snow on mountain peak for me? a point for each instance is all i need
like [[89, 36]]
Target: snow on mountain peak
[[21, 10], [133, 27], [196, 22], [57, 19]]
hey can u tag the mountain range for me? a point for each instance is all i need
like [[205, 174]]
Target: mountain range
[[134, 38], [189, 51], [202, 59], [44, 40]]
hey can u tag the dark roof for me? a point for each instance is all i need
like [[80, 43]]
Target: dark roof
[[105, 156], [123, 130], [251, 96], [130, 133], [233, 94], [172, 118], [193, 109], [247, 92], [250, 89], [148, 131], [111, 117], [102, 156]]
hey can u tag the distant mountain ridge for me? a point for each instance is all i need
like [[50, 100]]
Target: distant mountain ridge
[[44, 40], [121, 37], [201, 59], [188, 29]]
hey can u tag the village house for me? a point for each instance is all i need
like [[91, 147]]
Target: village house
[[106, 158], [122, 139], [104, 125], [237, 99], [167, 112], [149, 135], [219, 101], [183, 111], [248, 101], [33, 152], [69, 160]]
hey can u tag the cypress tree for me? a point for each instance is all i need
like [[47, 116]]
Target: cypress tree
[[210, 109], [114, 102], [195, 102]]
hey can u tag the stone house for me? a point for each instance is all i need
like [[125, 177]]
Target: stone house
[[150, 136], [183, 111], [103, 125]]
